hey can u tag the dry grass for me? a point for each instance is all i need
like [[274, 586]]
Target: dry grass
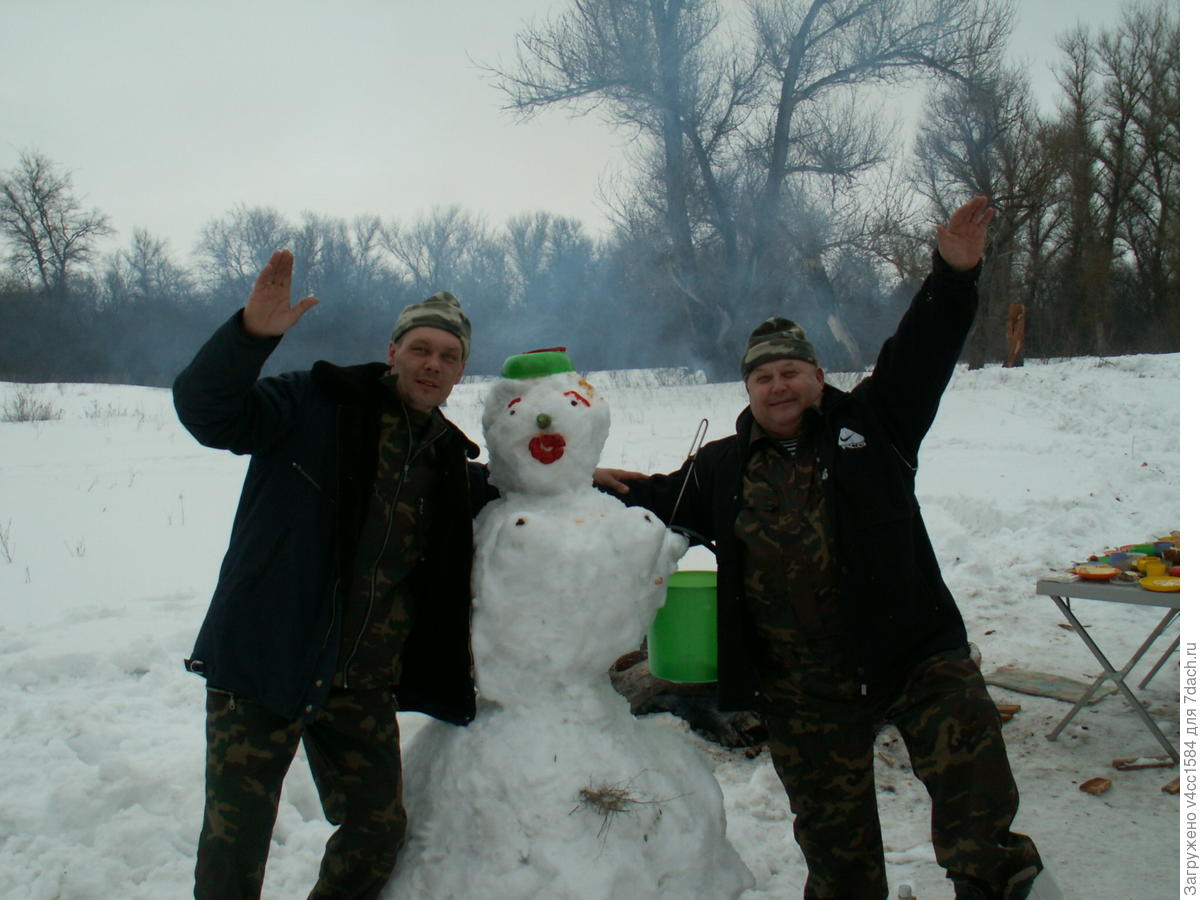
[[24, 406], [610, 800]]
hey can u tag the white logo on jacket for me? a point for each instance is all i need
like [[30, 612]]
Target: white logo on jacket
[[851, 440]]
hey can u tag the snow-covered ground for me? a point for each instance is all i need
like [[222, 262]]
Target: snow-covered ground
[[113, 521]]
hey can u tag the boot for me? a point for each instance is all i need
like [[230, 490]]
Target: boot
[[969, 890]]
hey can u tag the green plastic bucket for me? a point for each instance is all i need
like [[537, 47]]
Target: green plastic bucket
[[682, 642]]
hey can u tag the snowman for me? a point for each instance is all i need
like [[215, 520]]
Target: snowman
[[556, 791]]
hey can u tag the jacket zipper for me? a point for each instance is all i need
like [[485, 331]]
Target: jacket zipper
[[374, 569], [904, 459], [333, 614], [409, 457], [300, 471]]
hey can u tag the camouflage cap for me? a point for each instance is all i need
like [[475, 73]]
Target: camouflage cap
[[443, 311], [776, 338]]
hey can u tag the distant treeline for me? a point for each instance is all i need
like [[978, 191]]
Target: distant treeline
[[763, 181]]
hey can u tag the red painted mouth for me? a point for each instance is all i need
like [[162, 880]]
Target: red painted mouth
[[547, 448]]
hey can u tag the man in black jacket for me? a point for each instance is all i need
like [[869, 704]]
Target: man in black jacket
[[345, 592], [833, 618]]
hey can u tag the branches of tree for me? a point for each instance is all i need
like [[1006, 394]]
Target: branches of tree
[[759, 159], [48, 232], [763, 180], [749, 136], [1075, 190], [137, 315]]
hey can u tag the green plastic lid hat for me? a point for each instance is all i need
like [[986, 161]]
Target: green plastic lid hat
[[537, 363]]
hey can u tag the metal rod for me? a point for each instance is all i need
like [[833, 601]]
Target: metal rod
[[1158, 665], [1118, 678], [701, 431]]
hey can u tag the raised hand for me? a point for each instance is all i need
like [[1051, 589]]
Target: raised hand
[[269, 311], [960, 242]]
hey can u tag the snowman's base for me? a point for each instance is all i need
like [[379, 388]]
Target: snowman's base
[[533, 805]]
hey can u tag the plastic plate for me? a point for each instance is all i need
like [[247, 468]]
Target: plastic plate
[[1165, 583], [1096, 573]]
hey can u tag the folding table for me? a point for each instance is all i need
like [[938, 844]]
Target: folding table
[[1063, 593]]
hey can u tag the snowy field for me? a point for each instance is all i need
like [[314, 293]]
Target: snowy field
[[113, 521]]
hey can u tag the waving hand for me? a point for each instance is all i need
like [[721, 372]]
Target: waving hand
[[269, 311], [961, 241]]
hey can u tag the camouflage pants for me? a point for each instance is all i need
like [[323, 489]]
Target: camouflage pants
[[822, 736], [353, 749]]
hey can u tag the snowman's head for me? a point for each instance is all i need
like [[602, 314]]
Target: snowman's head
[[544, 427]]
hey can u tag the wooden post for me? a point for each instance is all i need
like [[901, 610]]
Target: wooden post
[[1015, 329]]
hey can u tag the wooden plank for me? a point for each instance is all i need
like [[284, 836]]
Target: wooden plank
[[1046, 684], [1132, 764]]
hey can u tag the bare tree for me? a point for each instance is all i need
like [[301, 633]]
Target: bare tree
[[556, 284], [526, 241], [1139, 117], [1087, 237], [144, 273], [981, 136], [448, 249], [338, 259], [1117, 143], [819, 52], [48, 231], [737, 124], [232, 250], [640, 62], [548, 254], [439, 250]]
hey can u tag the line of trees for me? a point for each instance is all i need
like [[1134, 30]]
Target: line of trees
[[763, 181], [1087, 236]]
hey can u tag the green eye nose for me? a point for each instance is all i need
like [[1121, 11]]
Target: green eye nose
[[543, 421]]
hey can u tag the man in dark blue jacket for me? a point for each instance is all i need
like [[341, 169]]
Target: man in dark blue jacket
[[833, 618], [345, 592]]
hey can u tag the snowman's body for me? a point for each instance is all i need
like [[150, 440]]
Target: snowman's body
[[555, 791]]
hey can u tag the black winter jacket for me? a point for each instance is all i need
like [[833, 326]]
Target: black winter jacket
[[898, 607], [272, 629]]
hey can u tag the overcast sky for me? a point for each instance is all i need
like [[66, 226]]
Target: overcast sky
[[169, 113]]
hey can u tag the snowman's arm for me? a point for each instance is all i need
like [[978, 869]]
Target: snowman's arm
[[661, 495], [674, 546], [488, 525]]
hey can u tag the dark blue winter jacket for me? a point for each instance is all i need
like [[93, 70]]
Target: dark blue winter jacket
[[898, 609], [272, 629]]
